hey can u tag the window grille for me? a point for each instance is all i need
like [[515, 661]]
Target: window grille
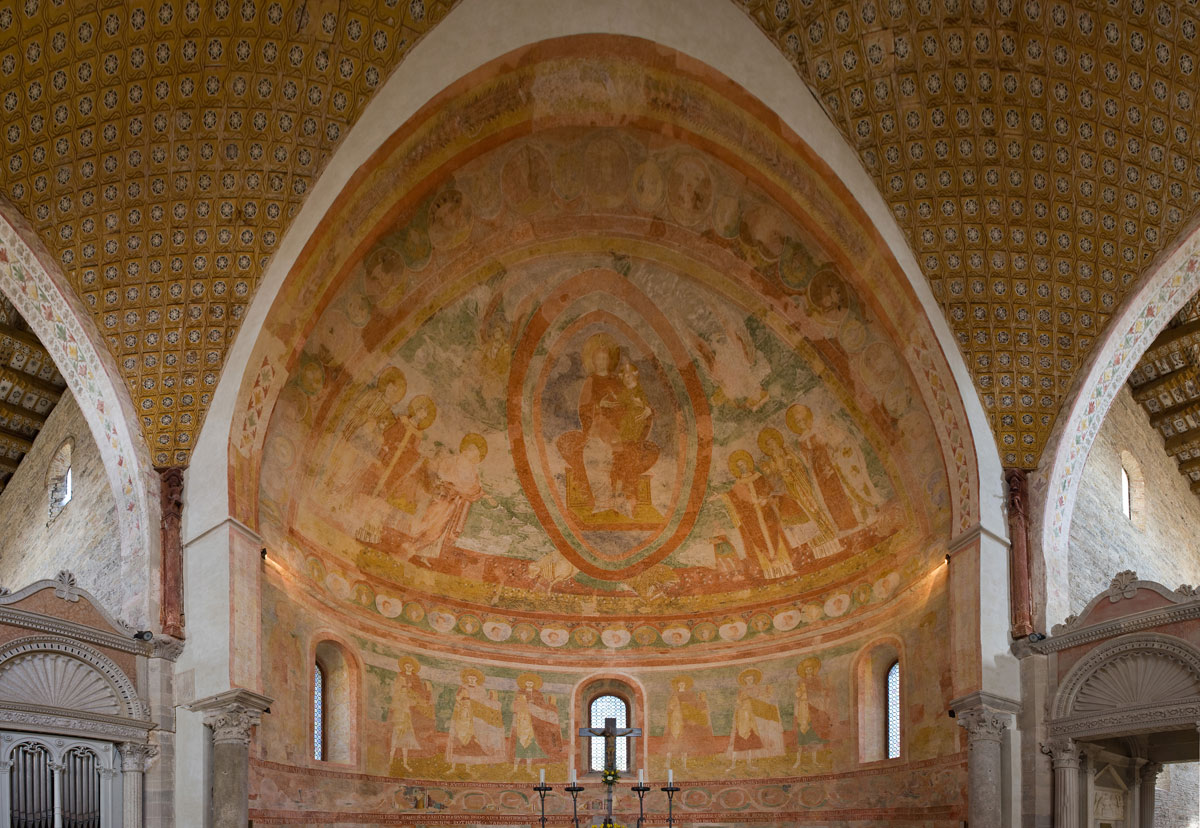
[[609, 707], [318, 713], [893, 711]]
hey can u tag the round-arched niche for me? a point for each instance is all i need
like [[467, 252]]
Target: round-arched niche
[[593, 357]]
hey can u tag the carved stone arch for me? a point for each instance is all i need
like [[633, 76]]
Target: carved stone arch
[[1131, 683], [54, 672]]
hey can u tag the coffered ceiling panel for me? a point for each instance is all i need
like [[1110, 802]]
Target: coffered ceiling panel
[[1038, 155], [162, 148]]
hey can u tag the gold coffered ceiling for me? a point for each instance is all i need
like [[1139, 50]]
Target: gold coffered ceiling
[[162, 148], [1037, 154]]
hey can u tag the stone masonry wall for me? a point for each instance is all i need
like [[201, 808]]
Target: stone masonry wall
[[1160, 545], [84, 537], [1176, 795]]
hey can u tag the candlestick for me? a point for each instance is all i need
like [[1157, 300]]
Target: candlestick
[[541, 776], [670, 777], [641, 778]]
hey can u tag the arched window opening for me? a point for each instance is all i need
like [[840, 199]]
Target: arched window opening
[[59, 478], [597, 700], [1133, 490], [602, 708], [334, 704], [880, 703], [318, 712], [893, 711]]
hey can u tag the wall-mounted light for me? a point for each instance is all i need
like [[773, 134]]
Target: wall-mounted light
[[144, 635], [1037, 636], [263, 553]]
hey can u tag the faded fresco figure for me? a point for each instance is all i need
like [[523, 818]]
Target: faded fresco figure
[[608, 458], [536, 730], [851, 466], [811, 711], [412, 715], [753, 511], [400, 454], [825, 468], [757, 731], [737, 368], [689, 726], [476, 726], [455, 487], [804, 518]]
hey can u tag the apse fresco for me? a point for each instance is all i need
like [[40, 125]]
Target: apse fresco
[[432, 716], [606, 419]]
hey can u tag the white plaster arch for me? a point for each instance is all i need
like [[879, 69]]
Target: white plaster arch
[[1146, 313], [37, 287], [475, 32]]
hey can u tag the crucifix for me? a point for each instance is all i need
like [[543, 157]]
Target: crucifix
[[610, 732]]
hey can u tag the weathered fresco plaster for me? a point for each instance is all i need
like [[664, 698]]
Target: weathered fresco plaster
[[591, 367]]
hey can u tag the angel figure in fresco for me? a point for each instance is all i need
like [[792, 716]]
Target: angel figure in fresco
[[375, 409], [812, 717], [829, 480], [536, 730], [757, 731], [689, 726], [412, 715], [609, 457], [455, 486], [801, 510], [752, 510], [476, 725], [735, 365]]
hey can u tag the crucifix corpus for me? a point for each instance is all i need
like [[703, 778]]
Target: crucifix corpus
[[610, 732]]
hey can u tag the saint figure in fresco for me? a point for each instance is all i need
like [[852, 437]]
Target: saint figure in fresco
[[829, 481], [689, 726], [811, 713], [851, 466], [476, 725], [400, 454], [752, 510], [800, 508], [412, 715], [536, 730], [757, 731], [455, 486], [609, 457]]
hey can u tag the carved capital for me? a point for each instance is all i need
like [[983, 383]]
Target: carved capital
[[134, 756], [982, 724], [232, 726], [166, 647], [1150, 772], [1063, 753]]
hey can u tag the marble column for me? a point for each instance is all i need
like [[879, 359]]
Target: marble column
[[1149, 778], [1064, 758], [133, 766], [985, 733], [232, 715]]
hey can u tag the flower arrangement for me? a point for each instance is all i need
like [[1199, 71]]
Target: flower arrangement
[[608, 823], [609, 776]]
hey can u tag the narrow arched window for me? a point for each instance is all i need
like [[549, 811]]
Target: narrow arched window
[[601, 708], [318, 712], [1126, 506], [59, 479], [893, 711]]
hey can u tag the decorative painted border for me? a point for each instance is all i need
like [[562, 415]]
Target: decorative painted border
[[1174, 282], [47, 303]]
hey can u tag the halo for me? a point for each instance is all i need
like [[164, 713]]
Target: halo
[[392, 376], [471, 671], [766, 436], [752, 673], [597, 342], [799, 418], [811, 661], [476, 440], [687, 681], [737, 458], [430, 411], [527, 677], [408, 660]]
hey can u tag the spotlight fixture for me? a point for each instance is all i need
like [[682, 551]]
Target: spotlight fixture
[[143, 635], [1037, 636], [951, 714], [263, 553]]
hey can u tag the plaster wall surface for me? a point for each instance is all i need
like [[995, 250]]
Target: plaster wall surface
[[1177, 797], [84, 538], [1160, 543]]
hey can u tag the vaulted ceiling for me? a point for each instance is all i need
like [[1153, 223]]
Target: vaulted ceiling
[[1037, 154], [30, 387]]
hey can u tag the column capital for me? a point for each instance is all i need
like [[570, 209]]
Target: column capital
[[1063, 753], [134, 756], [1150, 771], [982, 723], [232, 714]]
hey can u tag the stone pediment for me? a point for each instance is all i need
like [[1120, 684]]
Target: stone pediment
[[61, 597], [1127, 596]]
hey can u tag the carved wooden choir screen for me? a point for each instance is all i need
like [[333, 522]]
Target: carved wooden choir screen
[[58, 782]]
